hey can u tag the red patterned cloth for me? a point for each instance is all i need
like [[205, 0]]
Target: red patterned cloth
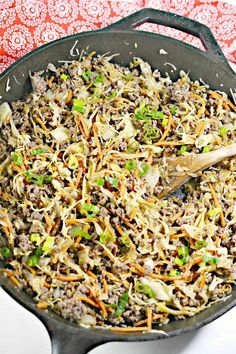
[[26, 24]]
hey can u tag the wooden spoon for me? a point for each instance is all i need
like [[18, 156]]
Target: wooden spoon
[[181, 168]]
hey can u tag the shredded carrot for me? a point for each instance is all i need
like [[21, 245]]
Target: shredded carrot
[[105, 286], [112, 277], [167, 130], [50, 81], [129, 329], [84, 126], [47, 285], [95, 131], [224, 104], [173, 236], [215, 94], [203, 103], [217, 203], [89, 272], [149, 318], [88, 301], [138, 268], [16, 168], [203, 281], [170, 143], [90, 55], [67, 277], [80, 221], [150, 157], [49, 223], [100, 304], [69, 96], [78, 178], [163, 277], [193, 262], [176, 216], [42, 305]]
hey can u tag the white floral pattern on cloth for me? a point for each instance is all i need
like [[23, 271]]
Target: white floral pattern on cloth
[[17, 40], [26, 24], [32, 12], [7, 17], [48, 32], [63, 11]]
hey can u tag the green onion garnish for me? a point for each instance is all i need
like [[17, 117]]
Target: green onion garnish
[[174, 273], [144, 289], [179, 262], [112, 181], [213, 212], [106, 237], [130, 165], [183, 149], [38, 151], [200, 244], [164, 122], [33, 260], [113, 95], [6, 252], [183, 251], [128, 77], [78, 105], [206, 149], [100, 182], [99, 78], [125, 240], [173, 110], [86, 75], [144, 170], [64, 77], [211, 260], [48, 244], [122, 303], [90, 208], [223, 131], [38, 179], [35, 237], [17, 158]]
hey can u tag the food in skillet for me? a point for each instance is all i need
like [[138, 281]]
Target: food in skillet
[[83, 230]]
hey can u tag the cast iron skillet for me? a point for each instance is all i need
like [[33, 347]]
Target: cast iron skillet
[[210, 65]]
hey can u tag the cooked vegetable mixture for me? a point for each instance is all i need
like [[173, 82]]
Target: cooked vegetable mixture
[[82, 228]]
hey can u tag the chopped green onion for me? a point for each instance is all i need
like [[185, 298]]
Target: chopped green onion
[[130, 165], [179, 261], [113, 306], [223, 131], [174, 273], [125, 240], [144, 289], [211, 260], [164, 122], [78, 105], [144, 170], [183, 149], [38, 179], [99, 78], [6, 252], [33, 260], [48, 244], [200, 243], [112, 181], [150, 134], [100, 182], [128, 77], [38, 151], [113, 95], [106, 237], [122, 303], [84, 234], [73, 163], [93, 209], [173, 110], [147, 112], [35, 237], [206, 149], [133, 146], [213, 212], [86, 75], [39, 252], [64, 77], [158, 115], [17, 158]]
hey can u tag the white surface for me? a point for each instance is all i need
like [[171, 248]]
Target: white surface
[[22, 333]]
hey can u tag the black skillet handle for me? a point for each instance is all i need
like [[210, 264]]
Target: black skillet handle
[[66, 339], [181, 23]]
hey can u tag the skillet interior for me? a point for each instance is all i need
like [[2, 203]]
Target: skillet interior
[[148, 45]]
